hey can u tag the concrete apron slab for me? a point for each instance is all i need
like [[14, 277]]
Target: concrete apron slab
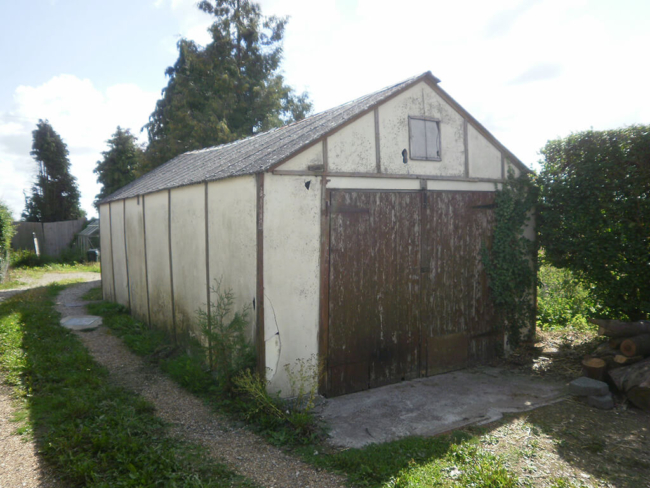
[[430, 406], [81, 322]]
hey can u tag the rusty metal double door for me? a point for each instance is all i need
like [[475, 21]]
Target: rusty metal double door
[[407, 292]]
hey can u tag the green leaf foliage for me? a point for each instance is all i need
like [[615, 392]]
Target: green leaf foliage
[[7, 231], [509, 263], [562, 300], [595, 214], [230, 89], [227, 348], [119, 164], [55, 195]]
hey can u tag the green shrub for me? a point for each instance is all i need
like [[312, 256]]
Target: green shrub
[[228, 350], [595, 214], [283, 421], [508, 262], [7, 231], [562, 301], [28, 259]]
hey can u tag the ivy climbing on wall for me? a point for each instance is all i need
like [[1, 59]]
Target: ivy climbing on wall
[[510, 262]]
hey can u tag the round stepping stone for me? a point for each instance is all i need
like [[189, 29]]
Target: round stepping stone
[[81, 322]]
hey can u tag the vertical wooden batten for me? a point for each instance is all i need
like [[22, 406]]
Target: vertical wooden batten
[[423, 351], [466, 147], [126, 252], [110, 222], [259, 312], [171, 267], [146, 265], [377, 148], [503, 167], [207, 258], [323, 319]]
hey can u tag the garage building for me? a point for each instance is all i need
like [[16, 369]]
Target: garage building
[[353, 236]]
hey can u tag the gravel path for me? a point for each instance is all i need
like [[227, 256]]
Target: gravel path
[[47, 279], [20, 463], [243, 451]]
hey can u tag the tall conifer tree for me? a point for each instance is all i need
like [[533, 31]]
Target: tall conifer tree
[[119, 164], [55, 195], [228, 90]]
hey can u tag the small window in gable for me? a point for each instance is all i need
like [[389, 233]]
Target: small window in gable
[[424, 138]]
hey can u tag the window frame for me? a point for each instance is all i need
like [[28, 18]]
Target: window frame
[[425, 119]]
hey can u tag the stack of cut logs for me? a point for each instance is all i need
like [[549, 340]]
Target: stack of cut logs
[[624, 360]]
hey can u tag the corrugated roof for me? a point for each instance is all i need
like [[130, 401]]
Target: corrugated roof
[[260, 152]]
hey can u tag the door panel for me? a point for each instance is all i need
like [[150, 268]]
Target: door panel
[[457, 315], [408, 294], [374, 289]]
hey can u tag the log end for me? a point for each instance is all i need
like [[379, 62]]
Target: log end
[[628, 348], [594, 368]]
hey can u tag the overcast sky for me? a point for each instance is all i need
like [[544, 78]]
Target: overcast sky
[[529, 70]]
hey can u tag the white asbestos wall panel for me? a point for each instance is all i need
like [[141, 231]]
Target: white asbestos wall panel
[[106, 254], [442, 185], [352, 149], [515, 169], [119, 253], [484, 158], [365, 183], [135, 255], [232, 237], [158, 271], [313, 155], [291, 273], [188, 256], [420, 100]]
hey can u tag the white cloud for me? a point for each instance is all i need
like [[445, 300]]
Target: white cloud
[[582, 70], [192, 23], [82, 115]]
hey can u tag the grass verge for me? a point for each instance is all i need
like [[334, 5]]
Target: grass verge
[[187, 366], [93, 433], [18, 277], [565, 445], [94, 294], [455, 460]]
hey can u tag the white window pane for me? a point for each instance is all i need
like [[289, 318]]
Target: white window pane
[[432, 140], [418, 139]]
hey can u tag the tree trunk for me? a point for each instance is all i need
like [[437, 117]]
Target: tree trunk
[[636, 346], [616, 328], [634, 381], [594, 368]]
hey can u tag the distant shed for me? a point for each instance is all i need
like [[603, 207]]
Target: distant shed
[[353, 235]]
